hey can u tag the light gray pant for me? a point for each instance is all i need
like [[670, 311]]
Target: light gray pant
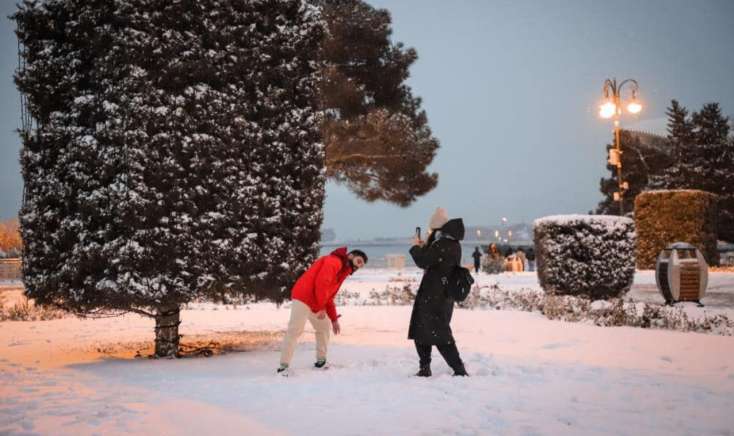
[[300, 312]]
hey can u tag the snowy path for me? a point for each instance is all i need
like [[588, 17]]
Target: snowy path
[[529, 376]]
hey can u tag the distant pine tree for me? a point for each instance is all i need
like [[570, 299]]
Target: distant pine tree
[[378, 142], [177, 156], [704, 159], [680, 138], [680, 129], [710, 126]]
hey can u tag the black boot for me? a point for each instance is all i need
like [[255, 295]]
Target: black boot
[[451, 354], [460, 371], [424, 359], [425, 371]]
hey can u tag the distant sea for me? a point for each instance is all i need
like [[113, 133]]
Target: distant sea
[[376, 251]]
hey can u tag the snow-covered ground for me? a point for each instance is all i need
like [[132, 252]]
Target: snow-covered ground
[[529, 375]]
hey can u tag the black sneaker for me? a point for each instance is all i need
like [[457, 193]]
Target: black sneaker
[[283, 370], [321, 363]]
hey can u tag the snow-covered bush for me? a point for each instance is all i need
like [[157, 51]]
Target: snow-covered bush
[[591, 255], [663, 217]]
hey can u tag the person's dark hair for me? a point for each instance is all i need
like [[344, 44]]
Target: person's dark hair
[[359, 253]]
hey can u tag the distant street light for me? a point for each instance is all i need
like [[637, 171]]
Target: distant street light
[[612, 108]]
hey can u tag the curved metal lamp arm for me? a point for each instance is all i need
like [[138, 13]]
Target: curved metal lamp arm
[[635, 86], [609, 84]]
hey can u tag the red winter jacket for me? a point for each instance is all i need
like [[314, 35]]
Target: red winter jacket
[[320, 283]]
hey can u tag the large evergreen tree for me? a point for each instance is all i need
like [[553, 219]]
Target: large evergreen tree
[[377, 137], [177, 153]]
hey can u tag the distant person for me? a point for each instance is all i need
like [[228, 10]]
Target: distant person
[[509, 258], [313, 300], [493, 252], [531, 258], [494, 262], [521, 260], [477, 255], [432, 309]]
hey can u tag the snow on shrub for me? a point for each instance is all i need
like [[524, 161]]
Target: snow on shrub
[[663, 217], [590, 255], [604, 313], [178, 153]]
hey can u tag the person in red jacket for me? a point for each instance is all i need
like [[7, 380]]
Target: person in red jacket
[[313, 300]]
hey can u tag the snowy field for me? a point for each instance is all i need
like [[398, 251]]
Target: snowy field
[[529, 375]]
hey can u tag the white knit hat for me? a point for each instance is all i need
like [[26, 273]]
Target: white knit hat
[[438, 219]]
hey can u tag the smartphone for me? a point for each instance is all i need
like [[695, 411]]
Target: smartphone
[[418, 232]]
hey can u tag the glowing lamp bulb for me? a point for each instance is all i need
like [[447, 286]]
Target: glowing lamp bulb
[[634, 107], [607, 110]]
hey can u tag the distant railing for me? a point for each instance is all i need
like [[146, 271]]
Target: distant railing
[[10, 269]]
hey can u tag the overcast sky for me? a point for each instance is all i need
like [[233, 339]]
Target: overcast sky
[[511, 89]]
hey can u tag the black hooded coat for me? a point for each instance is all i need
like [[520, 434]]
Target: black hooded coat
[[432, 309]]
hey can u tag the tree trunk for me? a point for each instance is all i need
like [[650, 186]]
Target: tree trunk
[[167, 320]]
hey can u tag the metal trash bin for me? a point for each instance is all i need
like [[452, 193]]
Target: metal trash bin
[[681, 273]]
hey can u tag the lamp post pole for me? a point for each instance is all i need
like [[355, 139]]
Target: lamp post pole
[[612, 108]]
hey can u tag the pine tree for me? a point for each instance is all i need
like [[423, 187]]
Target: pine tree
[[177, 156], [715, 158], [680, 129], [710, 126], [377, 137], [704, 159]]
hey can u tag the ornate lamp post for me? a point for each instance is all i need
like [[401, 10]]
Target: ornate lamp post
[[612, 108]]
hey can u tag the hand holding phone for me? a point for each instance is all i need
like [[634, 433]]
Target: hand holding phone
[[417, 238]]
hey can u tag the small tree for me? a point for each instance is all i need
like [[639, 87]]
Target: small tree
[[177, 156]]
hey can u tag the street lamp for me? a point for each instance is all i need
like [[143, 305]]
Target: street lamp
[[612, 108]]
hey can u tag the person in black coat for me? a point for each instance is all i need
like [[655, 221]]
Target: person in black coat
[[477, 255], [432, 309]]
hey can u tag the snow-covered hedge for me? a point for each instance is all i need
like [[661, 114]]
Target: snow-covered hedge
[[591, 255], [663, 217]]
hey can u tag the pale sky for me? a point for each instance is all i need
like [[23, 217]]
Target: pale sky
[[511, 89]]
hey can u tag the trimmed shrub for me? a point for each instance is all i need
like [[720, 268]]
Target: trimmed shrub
[[587, 255], [664, 217]]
